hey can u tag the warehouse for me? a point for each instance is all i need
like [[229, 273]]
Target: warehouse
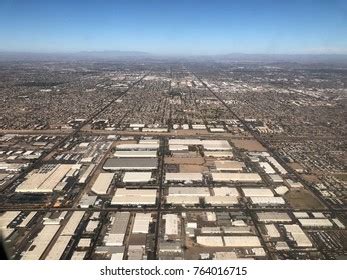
[[87, 201], [319, 223], [236, 177], [273, 217], [199, 126], [86, 174], [276, 178], [137, 177], [141, 223], [298, 235], [225, 191], [281, 190], [222, 154], [73, 223], [186, 142], [78, 255], [135, 154], [272, 231], [182, 200], [118, 229], [134, 197], [221, 200], [267, 200], [216, 145], [211, 230], [279, 167], [139, 146], [84, 243], [113, 164], [267, 168], [45, 179], [149, 141], [210, 241], [176, 148], [189, 191], [58, 248], [242, 241], [40, 243], [27, 220], [7, 217], [257, 192], [102, 183], [171, 226], [229, 165], [183, 177]]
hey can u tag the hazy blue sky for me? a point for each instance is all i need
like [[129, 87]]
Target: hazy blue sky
[[175, 27]]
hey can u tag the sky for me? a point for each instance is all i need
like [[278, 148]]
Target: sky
[[195, 27]]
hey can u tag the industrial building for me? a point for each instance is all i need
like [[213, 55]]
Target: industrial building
[[221, 200], [141, 223], [298, 235], [183, 177], [119, 225], [134, 197], [242, 241], [135, 154], [40, 242], [137, 177], [46, 179], [316, 223], [229, 165], [102, 183], [257, 192], [273, 217], [236, 177], [267, 200]]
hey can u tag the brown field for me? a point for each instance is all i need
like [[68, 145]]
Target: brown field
[[187, 160], [248, 145], [188, 168], [301, 199]]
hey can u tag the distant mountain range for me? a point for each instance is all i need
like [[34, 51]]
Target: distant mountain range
[[138, 55]]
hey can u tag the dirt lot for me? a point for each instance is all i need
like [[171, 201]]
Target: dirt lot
[[301, 198], [187, 160], [248, 145], [189, 168]]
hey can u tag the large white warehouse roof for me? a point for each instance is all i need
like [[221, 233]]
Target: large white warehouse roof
[[236, 177]]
